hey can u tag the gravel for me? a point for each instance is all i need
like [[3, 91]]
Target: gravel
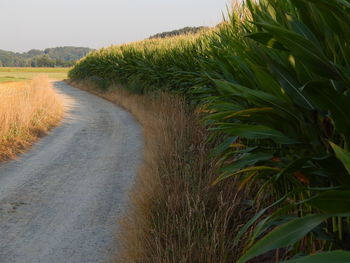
[[59, 202]]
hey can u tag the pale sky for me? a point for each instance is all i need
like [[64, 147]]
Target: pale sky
[[39, 24]]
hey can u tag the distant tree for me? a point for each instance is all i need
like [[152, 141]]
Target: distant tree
[[33, 53], [44, 61], [33, 63], [50, 57]]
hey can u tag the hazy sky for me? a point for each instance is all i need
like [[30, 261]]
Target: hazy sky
[[28, 24]]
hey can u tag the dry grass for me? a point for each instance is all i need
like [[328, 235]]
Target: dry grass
[[176, 215], [27, 111]]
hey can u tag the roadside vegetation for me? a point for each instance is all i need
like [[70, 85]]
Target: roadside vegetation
[[171, 218], [271, 87], [28, 110]]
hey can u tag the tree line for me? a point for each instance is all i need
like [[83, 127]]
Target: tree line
[[50, 57]]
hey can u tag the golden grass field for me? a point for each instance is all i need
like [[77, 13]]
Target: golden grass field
[[28, 109], [20, 74]]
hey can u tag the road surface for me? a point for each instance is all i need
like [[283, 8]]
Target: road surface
[[59, 202]]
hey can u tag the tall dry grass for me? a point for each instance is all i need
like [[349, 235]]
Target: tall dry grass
[[27, 111], [175, 216]]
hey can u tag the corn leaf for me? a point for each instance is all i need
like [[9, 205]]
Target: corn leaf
[[326, 257], [258, 98], [266, 39], [333, 201], [342, 155], [304, 49], [252, 221], [248, 159], [284, 236], [256, 132], [247, 170]]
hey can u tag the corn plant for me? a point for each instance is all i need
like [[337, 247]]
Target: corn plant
[[281, 98], [274, 81]]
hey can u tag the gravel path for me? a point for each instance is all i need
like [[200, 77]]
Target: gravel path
[[60, 201]]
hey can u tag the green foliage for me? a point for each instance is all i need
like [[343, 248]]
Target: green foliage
[[274, 80], [50, 57], [343, 156], [284, 235], [327, 257]]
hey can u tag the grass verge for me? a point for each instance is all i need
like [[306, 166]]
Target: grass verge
[[175, 213], [28, 110], [20, 74]]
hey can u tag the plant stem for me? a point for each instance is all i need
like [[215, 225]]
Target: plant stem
[[340, 228]]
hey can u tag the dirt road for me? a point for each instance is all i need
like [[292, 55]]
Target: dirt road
[[60, 201]]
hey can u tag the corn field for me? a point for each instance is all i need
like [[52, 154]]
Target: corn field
[[274, 83]]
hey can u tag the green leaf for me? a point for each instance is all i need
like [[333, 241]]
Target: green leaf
[[248, 159], [258, 98], [332, 167], [266, 39], [332, 3], [245, 228], [292, 167], [339, 256], [333, 201], [256, 132], [223, 146], [304, 49], [284, 236], [248, 112], [303, 30], [324, 96], [342, 155], [291, 85], [247, 170], [266, 82]]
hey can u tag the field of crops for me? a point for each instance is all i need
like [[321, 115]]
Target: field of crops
[[20, 74], [273, 81]]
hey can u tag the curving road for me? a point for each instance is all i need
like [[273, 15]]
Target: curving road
[[60, 201]]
